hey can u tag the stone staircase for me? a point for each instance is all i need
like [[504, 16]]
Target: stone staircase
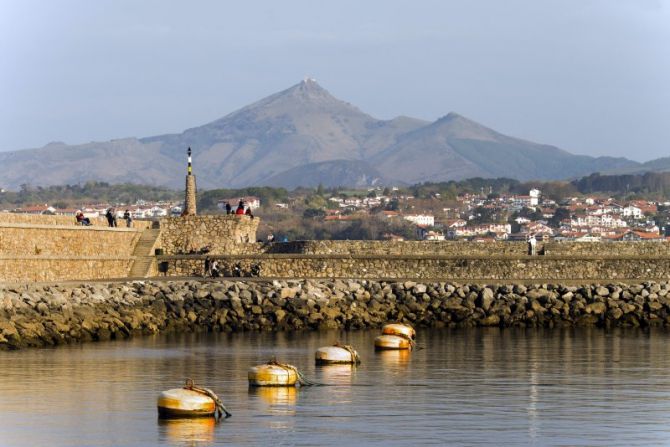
[[143, 254]]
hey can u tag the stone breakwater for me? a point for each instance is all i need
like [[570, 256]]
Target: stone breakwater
[[46, 315]]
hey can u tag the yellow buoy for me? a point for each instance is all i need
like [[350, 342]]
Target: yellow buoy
[[180, 402], [336, 354], [273, 374], [392, 342], [190, 401], [401, 330]]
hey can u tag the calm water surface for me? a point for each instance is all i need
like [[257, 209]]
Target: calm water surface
[[467, 387]]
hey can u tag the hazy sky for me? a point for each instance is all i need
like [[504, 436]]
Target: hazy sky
[[590, 76]]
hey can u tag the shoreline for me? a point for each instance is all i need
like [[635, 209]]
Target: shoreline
[[39, 315]]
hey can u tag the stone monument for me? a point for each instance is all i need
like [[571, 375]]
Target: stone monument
[[189, 199]]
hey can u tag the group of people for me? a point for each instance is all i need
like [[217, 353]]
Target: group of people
[[240, 209], [212, 268], [110, 215]]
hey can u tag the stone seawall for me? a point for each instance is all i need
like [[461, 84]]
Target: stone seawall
[[16, 269], [60, 240], [539, 268], [223, 234], [396, 248], [45, 315]]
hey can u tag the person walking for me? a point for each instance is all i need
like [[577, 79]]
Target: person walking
[[229, 209]]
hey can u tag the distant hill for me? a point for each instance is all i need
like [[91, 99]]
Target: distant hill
[[304, 136], [330, 174], [455, 148]]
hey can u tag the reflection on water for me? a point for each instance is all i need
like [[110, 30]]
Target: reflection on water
[[475, 387], [395, 359], [276, 397], [187, 432]]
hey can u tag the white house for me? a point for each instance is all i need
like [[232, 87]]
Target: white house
[[422, 220], [632, 211], [534, 195]]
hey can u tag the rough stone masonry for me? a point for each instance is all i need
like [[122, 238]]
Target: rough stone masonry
[[46, 315]]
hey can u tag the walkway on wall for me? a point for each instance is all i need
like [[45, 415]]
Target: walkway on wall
[[143, 254]]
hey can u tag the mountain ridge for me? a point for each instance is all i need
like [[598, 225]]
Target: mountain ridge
[[299, 129]]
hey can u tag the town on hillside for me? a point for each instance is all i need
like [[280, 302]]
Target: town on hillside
[[411, 213]]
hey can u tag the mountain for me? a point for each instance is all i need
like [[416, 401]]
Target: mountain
[[353, 173], [301, 125], [304, 136], [456, 148]]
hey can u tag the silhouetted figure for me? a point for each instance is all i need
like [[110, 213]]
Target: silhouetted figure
[[229, 209], [128, 218], [111, 217]]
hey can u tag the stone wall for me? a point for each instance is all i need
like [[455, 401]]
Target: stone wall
[[57, 240], [428, 267], [55, 268], [37, 315], [38, 248], [226, 234], [398, 248], [608, 249], [460, 248]]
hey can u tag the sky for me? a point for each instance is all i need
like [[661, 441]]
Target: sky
[[589, 76]]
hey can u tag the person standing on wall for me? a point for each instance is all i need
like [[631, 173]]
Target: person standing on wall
[[128, 218], [532, 245]]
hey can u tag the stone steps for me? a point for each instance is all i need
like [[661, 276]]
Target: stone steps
[[144, 258]]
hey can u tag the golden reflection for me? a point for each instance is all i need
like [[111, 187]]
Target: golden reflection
[[190, 432], [395, 358], [276, 396], [336, 374]]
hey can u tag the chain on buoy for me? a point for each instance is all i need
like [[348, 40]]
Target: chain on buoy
[[337, 354], [274, 373], [396, 336], [191, 401]]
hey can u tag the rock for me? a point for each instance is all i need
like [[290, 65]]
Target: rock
[[419, 289], [602, 291], [288, 293], [491, 320], [279, 315], [596, 308], [485, 299]]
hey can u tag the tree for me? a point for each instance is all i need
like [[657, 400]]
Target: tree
[[313, 213], [559, 215]]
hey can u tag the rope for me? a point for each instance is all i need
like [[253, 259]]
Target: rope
[[220, 409], [302, 380], [354, 355], [412, 342]]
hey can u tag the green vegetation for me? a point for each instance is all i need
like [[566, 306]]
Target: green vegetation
[[651, 185], [89, 192], [207, 199]]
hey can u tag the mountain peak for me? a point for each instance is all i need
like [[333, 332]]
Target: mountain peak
[[453, 116], [308, 88]]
